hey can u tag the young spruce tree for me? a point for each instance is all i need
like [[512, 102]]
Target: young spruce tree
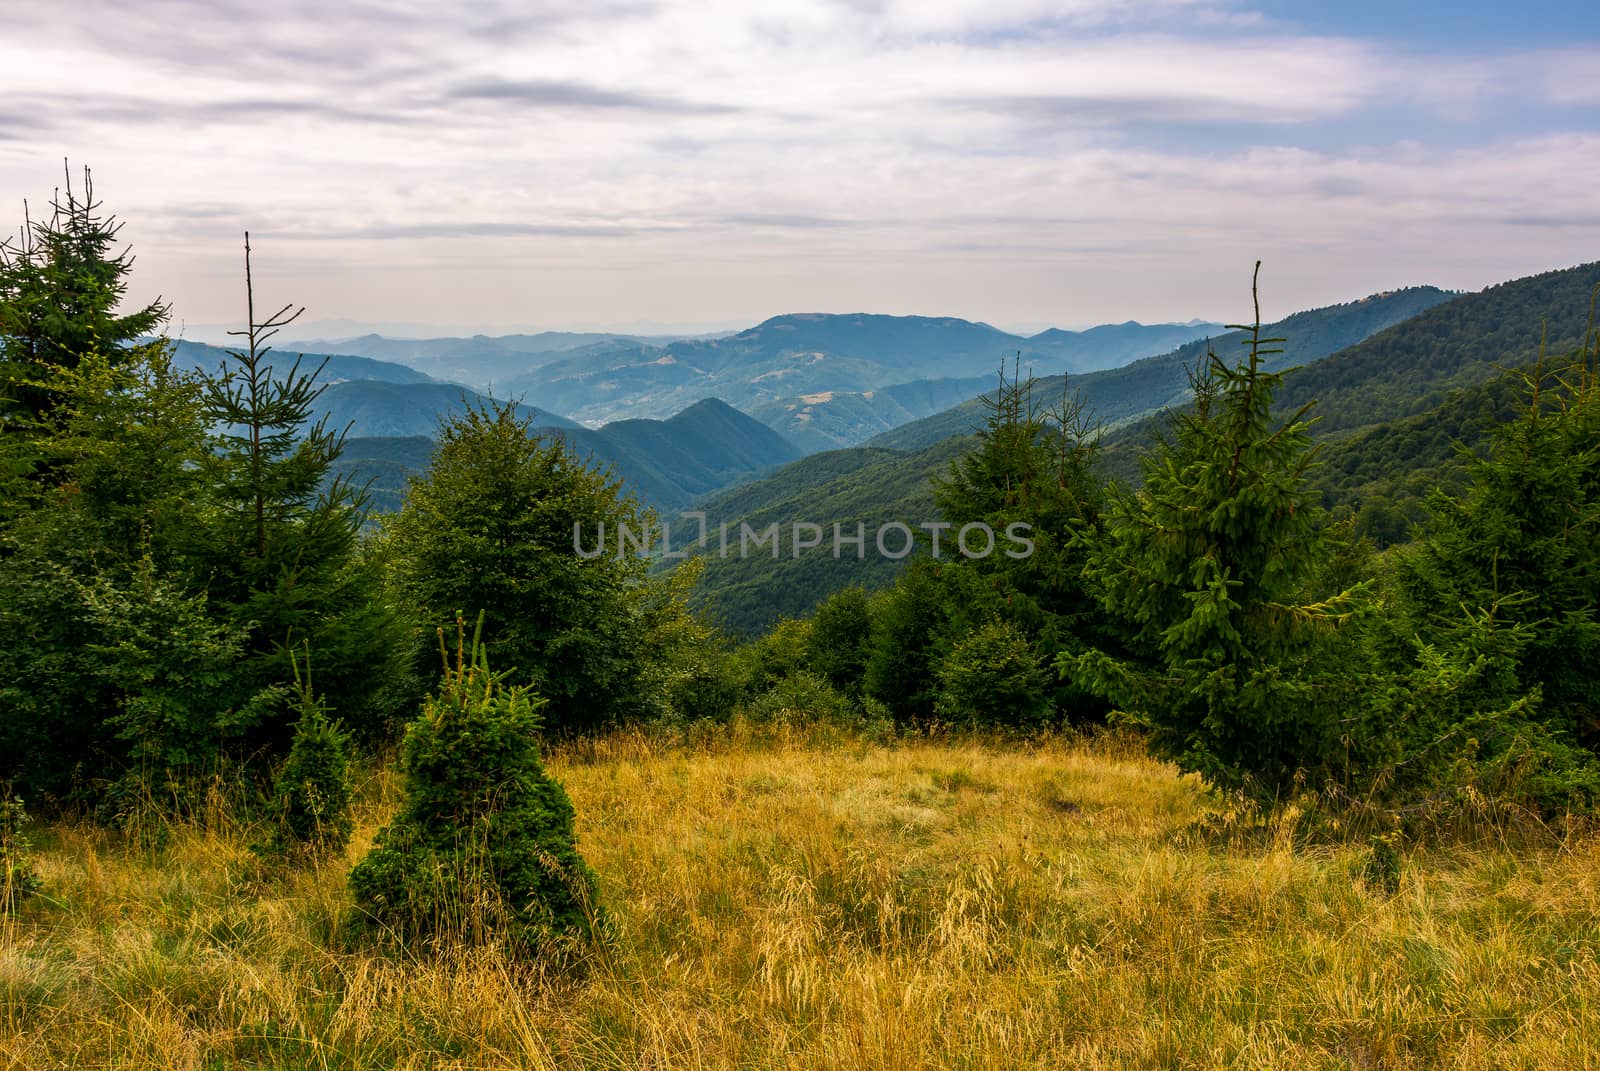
[[482, 851], [1205, 567], [282, 540]]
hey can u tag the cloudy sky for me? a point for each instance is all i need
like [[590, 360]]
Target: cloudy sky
[[711, 163]]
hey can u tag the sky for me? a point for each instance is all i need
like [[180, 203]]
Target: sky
[[630, 164]]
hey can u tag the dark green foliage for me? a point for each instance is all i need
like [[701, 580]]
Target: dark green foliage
[[482, 849], [841, 634], [1521, 548], [1032, 468], [313, 788], [491, 526], [18, 877], [908, 638], [1205, 568], [993, 676], [111, 670], [1383, 476]]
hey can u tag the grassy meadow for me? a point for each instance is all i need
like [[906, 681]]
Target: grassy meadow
[[824, 901]]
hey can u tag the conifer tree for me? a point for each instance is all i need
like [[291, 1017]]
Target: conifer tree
[[282, 538], [490, 527], [483, 848], [1519, 551], [1033, 465], [313, 786], [61, 281], [1205, 568]]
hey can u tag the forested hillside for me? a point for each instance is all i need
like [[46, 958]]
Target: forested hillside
[[870, 486], [1409, 368], [829, 419], [1418, 388]]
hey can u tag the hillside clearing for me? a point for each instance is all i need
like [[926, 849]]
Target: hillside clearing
[[835, 903]]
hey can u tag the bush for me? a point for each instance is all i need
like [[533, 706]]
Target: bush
[[313, 787], [802, 696], [483, 849], [993, 677], [780, 654]]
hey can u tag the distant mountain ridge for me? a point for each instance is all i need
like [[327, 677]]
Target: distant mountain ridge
[[666, 464], [481, 362], [378, 409], [340, 367], [889, 477], [816, 377]]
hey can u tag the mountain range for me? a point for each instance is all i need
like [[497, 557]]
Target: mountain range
[[1118, 395], [816, 377]]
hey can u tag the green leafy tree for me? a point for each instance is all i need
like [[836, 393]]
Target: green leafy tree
[[490, 527], [483, 847], [1205, 568]]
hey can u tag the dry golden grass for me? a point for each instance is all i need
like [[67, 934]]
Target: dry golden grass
[[835, 904]]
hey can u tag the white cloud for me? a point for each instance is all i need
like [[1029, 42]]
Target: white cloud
[[714, 160]]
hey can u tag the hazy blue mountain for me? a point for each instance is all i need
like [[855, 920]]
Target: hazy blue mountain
[[1118, 395], [889, 477], [786, 364], [200, 356], [482, 362], [1113, 345], [667, 464], [376, 408]]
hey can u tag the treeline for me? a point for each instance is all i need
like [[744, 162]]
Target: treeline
[[174, 555]]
